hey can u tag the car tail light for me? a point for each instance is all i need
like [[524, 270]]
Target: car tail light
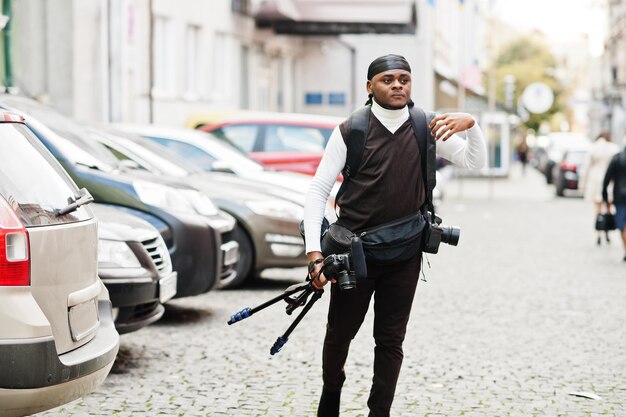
[[568, 166], [14, 249]]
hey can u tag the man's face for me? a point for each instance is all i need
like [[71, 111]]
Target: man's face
[[391, 89]]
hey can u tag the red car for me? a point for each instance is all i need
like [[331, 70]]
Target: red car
[[282, 141]]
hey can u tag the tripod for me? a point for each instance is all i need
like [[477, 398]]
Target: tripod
[[294, 300]]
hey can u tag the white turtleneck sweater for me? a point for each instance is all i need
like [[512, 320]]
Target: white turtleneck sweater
[[470, 153]]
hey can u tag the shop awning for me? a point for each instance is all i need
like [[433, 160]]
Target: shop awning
[[335, 17]]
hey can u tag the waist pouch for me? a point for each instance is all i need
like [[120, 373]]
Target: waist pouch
[[386, 244]]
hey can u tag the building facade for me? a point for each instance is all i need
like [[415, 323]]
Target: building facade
[[156, 60], [610, 108]]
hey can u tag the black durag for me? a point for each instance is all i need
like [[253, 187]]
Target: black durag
[[386, 63]]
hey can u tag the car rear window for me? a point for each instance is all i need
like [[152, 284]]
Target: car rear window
[[242, 136], [32, 181]]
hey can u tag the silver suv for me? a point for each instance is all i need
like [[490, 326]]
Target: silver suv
[[57, 337]]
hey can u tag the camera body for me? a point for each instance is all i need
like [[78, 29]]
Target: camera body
[[435, 234], [338, 267]]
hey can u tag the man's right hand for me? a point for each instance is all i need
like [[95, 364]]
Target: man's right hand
[[318, 280]]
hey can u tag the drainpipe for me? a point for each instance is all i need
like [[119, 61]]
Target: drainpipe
[[6, 33], [105, 27], [150, 61]]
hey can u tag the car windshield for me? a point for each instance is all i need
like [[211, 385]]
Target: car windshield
[[31, 181], [210, 150], [78, 148], [146, 153]]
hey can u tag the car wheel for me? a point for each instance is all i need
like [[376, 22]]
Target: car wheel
[[246, 259]]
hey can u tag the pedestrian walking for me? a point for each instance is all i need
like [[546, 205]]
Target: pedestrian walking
[[522, 153], [616, 175], [600, 154], [389, 185]]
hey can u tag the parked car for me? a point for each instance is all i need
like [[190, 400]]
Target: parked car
[[135, 266], [213, 154], [57, 337], [282, 141], [197, 234], [268, 217], [556, 144], [567, 173]]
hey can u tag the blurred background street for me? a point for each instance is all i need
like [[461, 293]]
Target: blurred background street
[[522, 315]]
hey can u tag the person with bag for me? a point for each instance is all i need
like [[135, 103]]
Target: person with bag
[[616, 175], [390, 185], [602, 150]]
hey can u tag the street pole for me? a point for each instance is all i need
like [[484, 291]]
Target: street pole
[[8, 66]]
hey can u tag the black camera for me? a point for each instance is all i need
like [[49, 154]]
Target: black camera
[[436, 234], [346, 268], [338, 267]]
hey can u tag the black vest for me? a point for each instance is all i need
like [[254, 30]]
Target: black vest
[[389, 183]]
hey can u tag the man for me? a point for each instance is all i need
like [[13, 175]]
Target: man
[[387, 186], [616, 173]]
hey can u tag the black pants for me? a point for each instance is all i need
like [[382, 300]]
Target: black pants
[[393, 288]]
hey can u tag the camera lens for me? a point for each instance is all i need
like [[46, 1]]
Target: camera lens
[[450, 235], [346, 281]]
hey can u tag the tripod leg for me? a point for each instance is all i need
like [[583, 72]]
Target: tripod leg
[[280, 342], [247, 312]]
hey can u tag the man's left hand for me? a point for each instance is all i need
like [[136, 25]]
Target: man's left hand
[[445, 125]]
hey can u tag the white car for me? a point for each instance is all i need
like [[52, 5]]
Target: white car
[[213, 154], [57, 337]]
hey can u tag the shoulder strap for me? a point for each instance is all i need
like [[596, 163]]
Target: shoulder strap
[[428, 151], [358, 124]]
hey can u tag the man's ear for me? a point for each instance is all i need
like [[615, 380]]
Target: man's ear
[[368, 86]]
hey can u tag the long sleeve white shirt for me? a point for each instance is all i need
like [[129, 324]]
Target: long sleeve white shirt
[[470, 153]]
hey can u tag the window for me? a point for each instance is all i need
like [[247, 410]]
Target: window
[[240, 6], [23, 158], [223, 75], [295, 138], [189, 152], [192, 46], [164, 62], [242, 136]]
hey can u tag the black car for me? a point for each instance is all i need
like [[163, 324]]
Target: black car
[[556, 144], [194, 240], [135, 266], [566, 174]]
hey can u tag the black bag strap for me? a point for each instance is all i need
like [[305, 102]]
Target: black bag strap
[[428, 152], [358, 125]]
